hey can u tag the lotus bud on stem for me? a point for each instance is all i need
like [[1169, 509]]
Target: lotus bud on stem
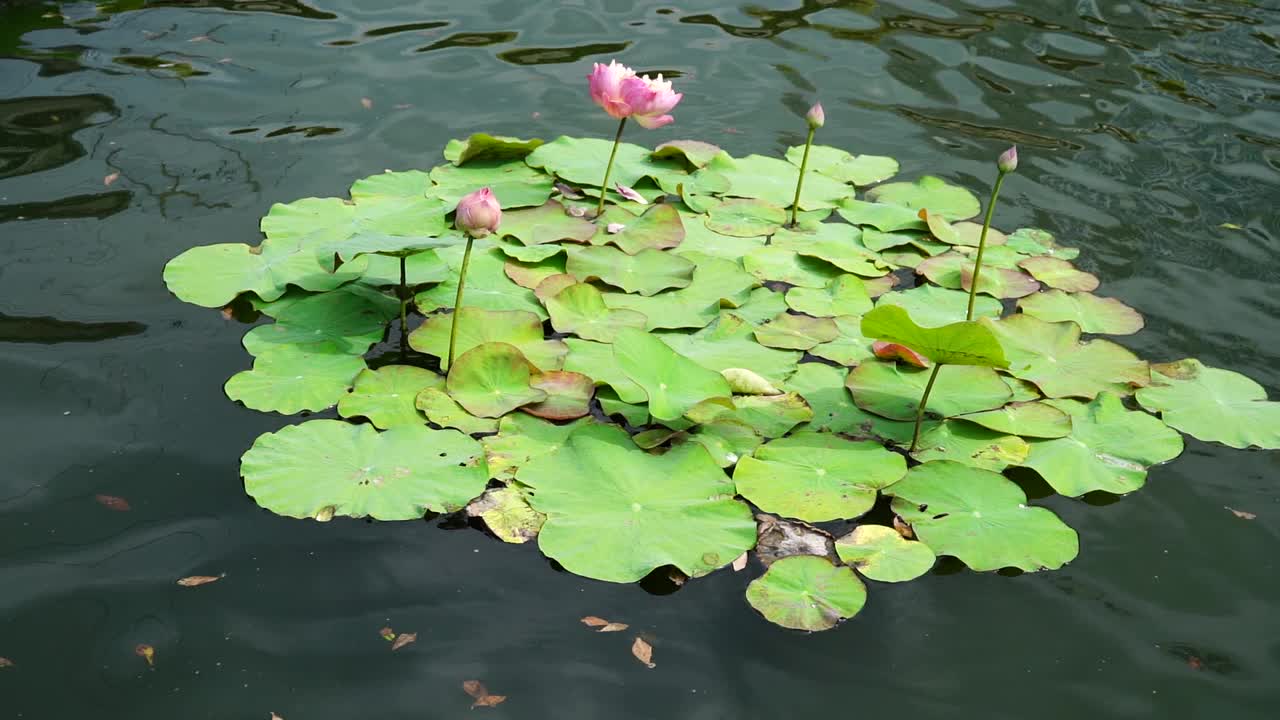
[[478, 215], [816, 118]]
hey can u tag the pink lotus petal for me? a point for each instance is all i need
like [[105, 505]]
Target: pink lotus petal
[[630, 194], [614, 228]]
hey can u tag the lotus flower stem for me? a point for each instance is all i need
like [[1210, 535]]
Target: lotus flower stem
[[804, 165], [924, 400], [608, 169], [1007, 163], [404, 296], [457, 300]]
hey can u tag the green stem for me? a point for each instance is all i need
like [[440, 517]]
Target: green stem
[[404, 294], [982, 244], [608, 169], [457, 300], [804, 165], [924, 400]]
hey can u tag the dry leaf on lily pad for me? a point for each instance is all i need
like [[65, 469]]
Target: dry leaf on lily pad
[[112, 502], [198, 580], [146, 652], [404, 639], [777, 539], [643, 652], [481, 695]]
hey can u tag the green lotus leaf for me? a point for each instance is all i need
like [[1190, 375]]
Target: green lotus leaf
[[729, 343], [477, 326], [488, 287], [672, 382], [898, 259], [319, 219], [953, 439], [547, 223], [631, 414], [822, 388], [817, 477], [932, 307], [530, 274], [529, 253], [1023, 391], [845, 295], [444, 411], [761, 306], [745, 218], [727, 440], [770, 416], [881, 285], [369, 243], [981, 518], [1025, 419], [885, 218], [513, 183], [962, 343], [420, 268], [597, 361], [568, 395], [492, 379], [1059, 274], [806, 592], [387, 306], [940, 229], [715, 283], [615, 512], [836, 243], [406, 184], [507, 514], [796, 332], [879, 241], [288, 380], [581, 161], [779, 264], [997, 256], [333, 322], [880, 553], [893, 391], [580, 309], [951, 202], [840, 165], [850, 346], [698, 238], [482, 146], [658, 228], [694, 152], [522, 438], [969, 234], [1031, 241], [213, 275], [552, 285], [325, 468], [647, 272], [955, 271], [774, 181], [1213, 405], [1052, 356], [1104, 316], [386, 396]]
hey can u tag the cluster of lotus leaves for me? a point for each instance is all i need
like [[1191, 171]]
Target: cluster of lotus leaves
[[688, 379]]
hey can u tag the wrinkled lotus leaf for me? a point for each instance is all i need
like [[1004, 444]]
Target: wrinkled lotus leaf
[[647, 272], [405, 184], [745, 382], [894, 391], [817, 477], [796, 332], [581, 161], [547, 223], [420, 269], [568, 395], [962, 343], [507, 514], [715, 283], [880, 553], [213, 275], [845, 295], [727, 440], [774, 181], [850, 346], [328, 468], [597, 361], [444, 411], [745, 218], [885, 218], [1052, 356], [694, 152], [836, 243], [805, 592], [961, 442], [386, 395], [761, 306], [969, 234], [580, 309], [672, 382], [1213, 405], [514, 184], [658, 228], [1031, 241], [289, 380], [840, 165], [492, 379], [528, 254], [770, 416], [483, 146], [1060, 274], [729, 343], [951, 202], [1023, 391], [615, 512], [488, 287], [1104, 316], [981, 518], [699, 238], [1109, 448], [333, 322], [931, 306], [477, 326], [522, 438], [1025, 419], [822, 388], [781, 265], [529, 274]]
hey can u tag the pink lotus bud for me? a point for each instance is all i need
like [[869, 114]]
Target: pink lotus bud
[[478, 213], [616, 88], [1008, 161], [816, 117]]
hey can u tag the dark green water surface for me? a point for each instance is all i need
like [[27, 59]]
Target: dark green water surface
[[1144, 126]]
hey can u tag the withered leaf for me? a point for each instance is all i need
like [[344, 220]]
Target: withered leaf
[[614, 627], [387, 634], [106, 181], [480, 694], [198, 580], [276, 717], [111, 502], [903, 528], [404, 639], [740, 563], [146, 652], [5, 662], [1241, 513], [593, 621], [643, 652]]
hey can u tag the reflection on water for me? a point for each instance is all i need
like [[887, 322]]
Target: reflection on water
[[36, 133]]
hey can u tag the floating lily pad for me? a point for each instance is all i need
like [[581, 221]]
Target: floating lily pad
[[488, 287], [326, 468], [729, 343], [694, 152], [552, 285], [1031, 241], [289, 381], [386, 395], [492, 379], [879, 241], [529, 254], [213, 275], [420, 268], [1104, 316], [581, 161], [727, 440], [962, 343], [444, 411], [805, 592], [955, 271], [483, 146], [796, 332], [761, 306], [1051, 356], [405, 184], [840, 165], [845, 295], [529, 274], [568, 395], [699, 238], [778, 264], [951, 202], [1060, 274], [512, 182], [672, 382], [955, 440], [894, 391], [547, 223], [715, 283], [1025, 419], [660, 227], [880, 553], [615, 512], [882, 217], [774, 181], [382, 244], [1109, 448], [597, 361], [647, 272], [1213, 405], [631, 414], [817, 477], [522, 438], [333, 322], [507, 514], [969, 234], [770, 416], [981, 518], [850, 346], [836, 243], [745, 218], [580, 309], [822, 388], [931, 306], [477, 326]]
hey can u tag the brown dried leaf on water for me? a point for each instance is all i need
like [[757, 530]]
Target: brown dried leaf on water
[[387, 634], [643, 652], [777, 538], [6, 662], [740, 563], [366, 103], [404, 639], [146, 652], [593, 621], [614, 627], [903, 528], [1244, 515], [481, 695], [198, 580], [111, 502], [276, 717], [106, 181]]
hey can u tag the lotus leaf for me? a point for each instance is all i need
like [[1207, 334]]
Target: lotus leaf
[[961, 343], [716, 282], [745, 218], [781, 265], [483, 146], [657, 229], [477, 326], [522, 438], [770, 416], [405, 184], [444, 411], [568, 395], [1060, 274], [1025, 419], [288, 380], [840, 165], [552, 285], [774, 181], [1213, 405], [850, 346], [580, 309], [728, 343], [796, 332], [1030, 241], [547, 223], [761, 306], [822, 388], [672, 382], [492, 379], [727, 440], [369, 243], [611, 406], [879, 241], [513, 183], [488, 287], [529, 254], [694, 152], [332, 322], [836, 243], [955, 271], [805, 592], [530, 274], [885, 218], [213, 275], [931, 306], [894, 391], [386, 395], [952, 439], [507, 514], [1052, 356], [969, 234], [647, 272], [1105, 316], [596, 360], [581, 161], [699, 238], [880, 553], [420, 268], [845, 295], [950, 202]]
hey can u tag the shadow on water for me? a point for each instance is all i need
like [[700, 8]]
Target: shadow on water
[[37, 133], [49, 330]]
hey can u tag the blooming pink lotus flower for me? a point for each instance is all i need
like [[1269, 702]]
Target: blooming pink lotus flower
[[478, 213], [622, 94]]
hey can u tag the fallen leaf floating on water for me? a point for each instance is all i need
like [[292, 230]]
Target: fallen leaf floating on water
[[603, 625], [111, 502], [614, 627], [480, 694], [740, 563], [5, 662], [593, 621], [367, 103], [903, 528], [198, 580], [643, 652], [404, 639], [146, 652], [276, 717], [387, 634], [1241, 513], [1195, 663], [106, 181]]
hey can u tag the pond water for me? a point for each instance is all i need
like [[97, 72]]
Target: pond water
[[1150, 138]]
